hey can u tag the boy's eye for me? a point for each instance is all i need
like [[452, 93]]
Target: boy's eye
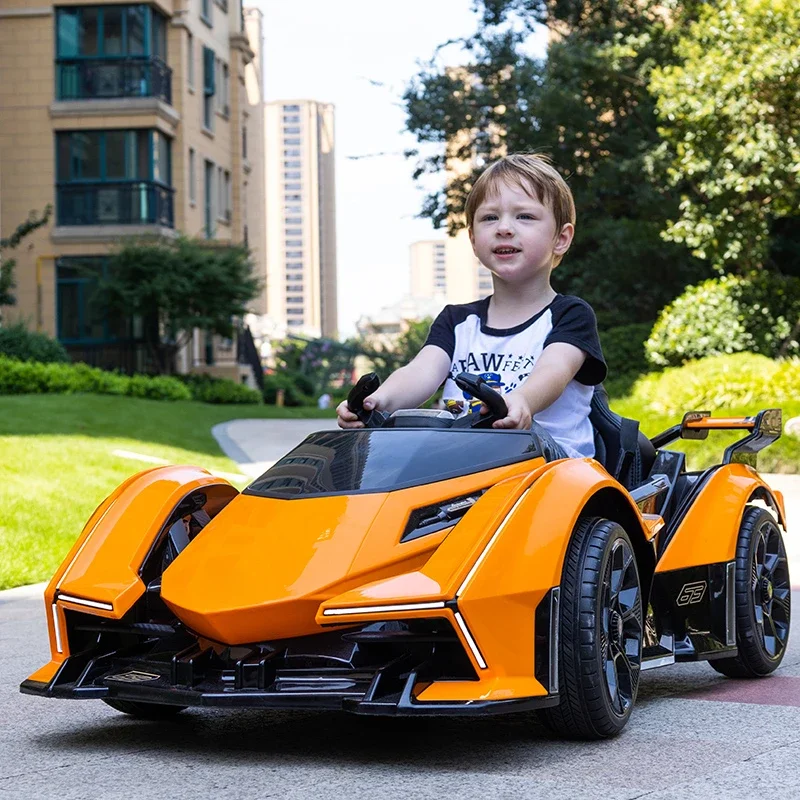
[[488, 217], [526, 216]]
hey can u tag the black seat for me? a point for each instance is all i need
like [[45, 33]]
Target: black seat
[[625, 452]]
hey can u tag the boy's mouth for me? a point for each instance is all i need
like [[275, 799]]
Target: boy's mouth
[[505, 251]]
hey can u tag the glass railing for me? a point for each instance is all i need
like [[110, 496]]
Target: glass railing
[[92, 78], [125, 203]]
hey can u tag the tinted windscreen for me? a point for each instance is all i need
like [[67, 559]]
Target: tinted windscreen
[[332, 462]]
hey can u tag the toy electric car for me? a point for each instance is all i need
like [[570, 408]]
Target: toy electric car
[[428, 565]]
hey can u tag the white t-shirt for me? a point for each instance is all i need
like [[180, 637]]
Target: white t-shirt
[[505, 357]]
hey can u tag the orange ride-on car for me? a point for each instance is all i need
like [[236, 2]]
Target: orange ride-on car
[[428, 565]]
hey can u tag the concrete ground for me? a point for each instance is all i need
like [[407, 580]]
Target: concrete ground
[[693, 732]]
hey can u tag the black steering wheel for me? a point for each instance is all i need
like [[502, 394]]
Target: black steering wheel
[[472, 384]]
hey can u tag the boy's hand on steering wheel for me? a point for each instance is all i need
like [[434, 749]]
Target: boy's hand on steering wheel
[[519, 413], [347, 419]]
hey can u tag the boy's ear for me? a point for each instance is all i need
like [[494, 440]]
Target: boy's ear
[[564, 239]]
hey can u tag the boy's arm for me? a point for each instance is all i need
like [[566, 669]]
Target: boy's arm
[[556, 367], [407, 387]]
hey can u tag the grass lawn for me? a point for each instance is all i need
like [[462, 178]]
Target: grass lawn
[[56, 463]]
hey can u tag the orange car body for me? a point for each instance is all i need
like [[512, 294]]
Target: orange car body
[[272, 574]]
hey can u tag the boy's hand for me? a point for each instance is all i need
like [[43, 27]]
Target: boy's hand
[[519, 412], [347, 419]]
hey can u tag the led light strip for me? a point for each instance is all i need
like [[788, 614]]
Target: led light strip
[[81, 602], [57, 628], [486, 549], [330, 612], [470, 640]]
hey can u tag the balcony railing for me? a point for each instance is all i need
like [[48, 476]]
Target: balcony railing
[[129, 203], [92, 78]]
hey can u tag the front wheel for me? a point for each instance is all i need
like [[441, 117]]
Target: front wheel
[[135, 708], [600, 633], [763, 598]]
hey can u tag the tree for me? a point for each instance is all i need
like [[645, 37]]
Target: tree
[[7, 281], [180, 284], [730, 122], [386, 359], [589, 107]]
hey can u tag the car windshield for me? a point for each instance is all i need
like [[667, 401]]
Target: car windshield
[[343, 462]]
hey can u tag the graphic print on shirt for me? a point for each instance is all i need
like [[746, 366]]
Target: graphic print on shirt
[[505, 359]]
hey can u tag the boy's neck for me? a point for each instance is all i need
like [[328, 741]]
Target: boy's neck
[[512, 305]]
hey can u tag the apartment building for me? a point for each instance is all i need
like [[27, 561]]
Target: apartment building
[[447, 269], [129, 119], [301, 216]]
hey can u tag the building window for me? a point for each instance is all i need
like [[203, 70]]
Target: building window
[[190, 60], [208, 185], [293, 299], [293, 187], [295, 278], [291, 176], [290, 109], [291, 131], [291, 152], [294, 254], [295, 311], [294, 220], [111, 51], [294, 265], [294, 289], [292, 164], [293, 243], [209, 88], [294, 210], [244, 141], [225, 91], [227, 196], [192, 177], [289, 142], [114, 177], [206, 10], [293, 232]]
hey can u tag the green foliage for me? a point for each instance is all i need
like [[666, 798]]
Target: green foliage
[[297, 390], [720, 382], [184, 284], [386, 359], [16, 341], [219, 391], [730, 122], [588, 106], [757, 313], [7, 281], [29, 377]]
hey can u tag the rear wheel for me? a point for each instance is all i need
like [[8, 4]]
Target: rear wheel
[[144, 710], [763, 598], [600, 633]]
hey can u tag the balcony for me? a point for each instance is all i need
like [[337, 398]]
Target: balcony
[[106, 78], [125, 203]]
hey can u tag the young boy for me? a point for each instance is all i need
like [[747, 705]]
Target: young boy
[[539, 348]]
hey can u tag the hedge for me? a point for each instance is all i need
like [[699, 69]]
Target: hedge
[[756, 313], [720, 382], [30, 377], [16, 341], [208, 389]]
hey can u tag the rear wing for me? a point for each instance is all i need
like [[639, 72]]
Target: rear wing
[[764, 428]]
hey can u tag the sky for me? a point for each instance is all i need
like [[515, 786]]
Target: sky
[[360, 55]]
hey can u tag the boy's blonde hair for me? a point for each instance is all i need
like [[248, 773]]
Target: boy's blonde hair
[[535, 175]]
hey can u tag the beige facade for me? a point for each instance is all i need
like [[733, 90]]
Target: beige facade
[[448, 270], [111, 115], [301, 216]]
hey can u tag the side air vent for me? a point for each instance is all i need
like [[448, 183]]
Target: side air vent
[[439, 516]]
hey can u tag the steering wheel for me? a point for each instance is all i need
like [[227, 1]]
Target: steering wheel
[[472, 384]]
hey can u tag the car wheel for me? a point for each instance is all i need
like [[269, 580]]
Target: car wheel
[[600, 633], [763, 598], [144, 710]]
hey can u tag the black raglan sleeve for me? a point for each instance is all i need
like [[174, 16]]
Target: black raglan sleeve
[[574, 323], [443, 332]]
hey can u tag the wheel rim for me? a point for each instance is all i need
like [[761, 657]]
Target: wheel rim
[[621, 627], [770, 589]]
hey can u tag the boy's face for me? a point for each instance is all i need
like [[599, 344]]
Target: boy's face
[[514, 235]]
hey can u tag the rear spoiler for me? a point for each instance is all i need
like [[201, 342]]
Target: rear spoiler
[[765, 427]]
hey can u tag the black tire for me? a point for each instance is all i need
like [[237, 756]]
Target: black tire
[[763, 598], [600, 633], [135, 708]]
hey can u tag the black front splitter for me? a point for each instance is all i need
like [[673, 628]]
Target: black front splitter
[[400, 704]]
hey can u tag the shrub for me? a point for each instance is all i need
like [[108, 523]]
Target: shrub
[[293, 395], [29, 377], [623, 348], [731, 314], [208, 389], [16, 341], [720, 382]]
